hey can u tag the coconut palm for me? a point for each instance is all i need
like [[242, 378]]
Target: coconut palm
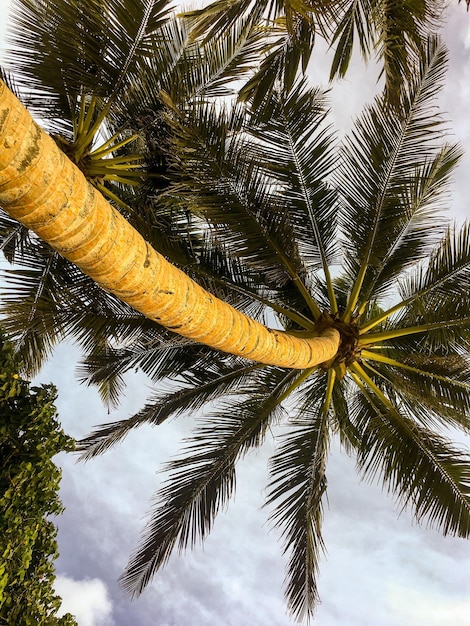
[[392, 32], [345, 246], [356, 242]]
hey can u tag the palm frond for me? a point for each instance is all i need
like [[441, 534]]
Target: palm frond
[[203, 383], [29, 298], [402, 28], [111, 386], [296, 148], [340, 418], [221, 15], [422, 468], [297, 487], [220, 182], [286, 54], [436, 290], [355, 21], [421, 223], [14, 237], [384, 152], [435, 392], [47, 298], [202, 481], [214, 68], [61, 49], [444, 283]]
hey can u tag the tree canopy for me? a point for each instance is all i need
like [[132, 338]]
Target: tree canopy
[[257, 201], [30, 436]]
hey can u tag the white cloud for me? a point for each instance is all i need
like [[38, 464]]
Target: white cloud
[[87, 600], [426, 608]]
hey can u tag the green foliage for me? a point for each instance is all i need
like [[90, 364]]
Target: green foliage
[[306, 225], [260, 205], [394, 31], [30, 436]]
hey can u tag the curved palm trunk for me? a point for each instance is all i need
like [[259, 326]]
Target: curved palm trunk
[[43, 189]]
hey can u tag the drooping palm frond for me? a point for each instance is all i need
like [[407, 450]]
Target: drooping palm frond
[[393, 31], [287, 52], [297, 488], [47, 299], [202, 481], [289, 27], [422, 468], [355, 23], [203, 382]]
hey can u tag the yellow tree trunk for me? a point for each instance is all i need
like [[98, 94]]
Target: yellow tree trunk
[[45, 191]]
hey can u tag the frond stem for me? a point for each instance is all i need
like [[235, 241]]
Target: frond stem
[[380, 358], [297, 382], [112, 196], [411, 330], [329, 390], [357, 372], [108, 146]]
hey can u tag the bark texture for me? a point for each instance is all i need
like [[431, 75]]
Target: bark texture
[[43, 189]]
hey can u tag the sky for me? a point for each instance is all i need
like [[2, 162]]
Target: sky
[[381, 569]]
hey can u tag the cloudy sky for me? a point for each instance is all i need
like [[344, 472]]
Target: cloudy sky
[[380, 569]]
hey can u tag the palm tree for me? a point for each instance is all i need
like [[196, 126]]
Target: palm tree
[[348, 244]]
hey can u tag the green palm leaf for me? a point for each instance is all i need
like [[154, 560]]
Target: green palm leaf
[[297, 488], [297, 149], [354, 22], [437, 290], [432, 389], [206, 381], [62, 48], [14, 237], [384, 152], [422, 468], [202, 481], [206, 146]]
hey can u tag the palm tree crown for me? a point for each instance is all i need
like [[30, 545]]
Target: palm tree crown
[[355, 240], [262, 207]]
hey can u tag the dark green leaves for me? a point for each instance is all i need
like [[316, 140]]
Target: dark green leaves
[[297, 489], [395, 214], [202, 481], [30, 436], [422, 468]]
